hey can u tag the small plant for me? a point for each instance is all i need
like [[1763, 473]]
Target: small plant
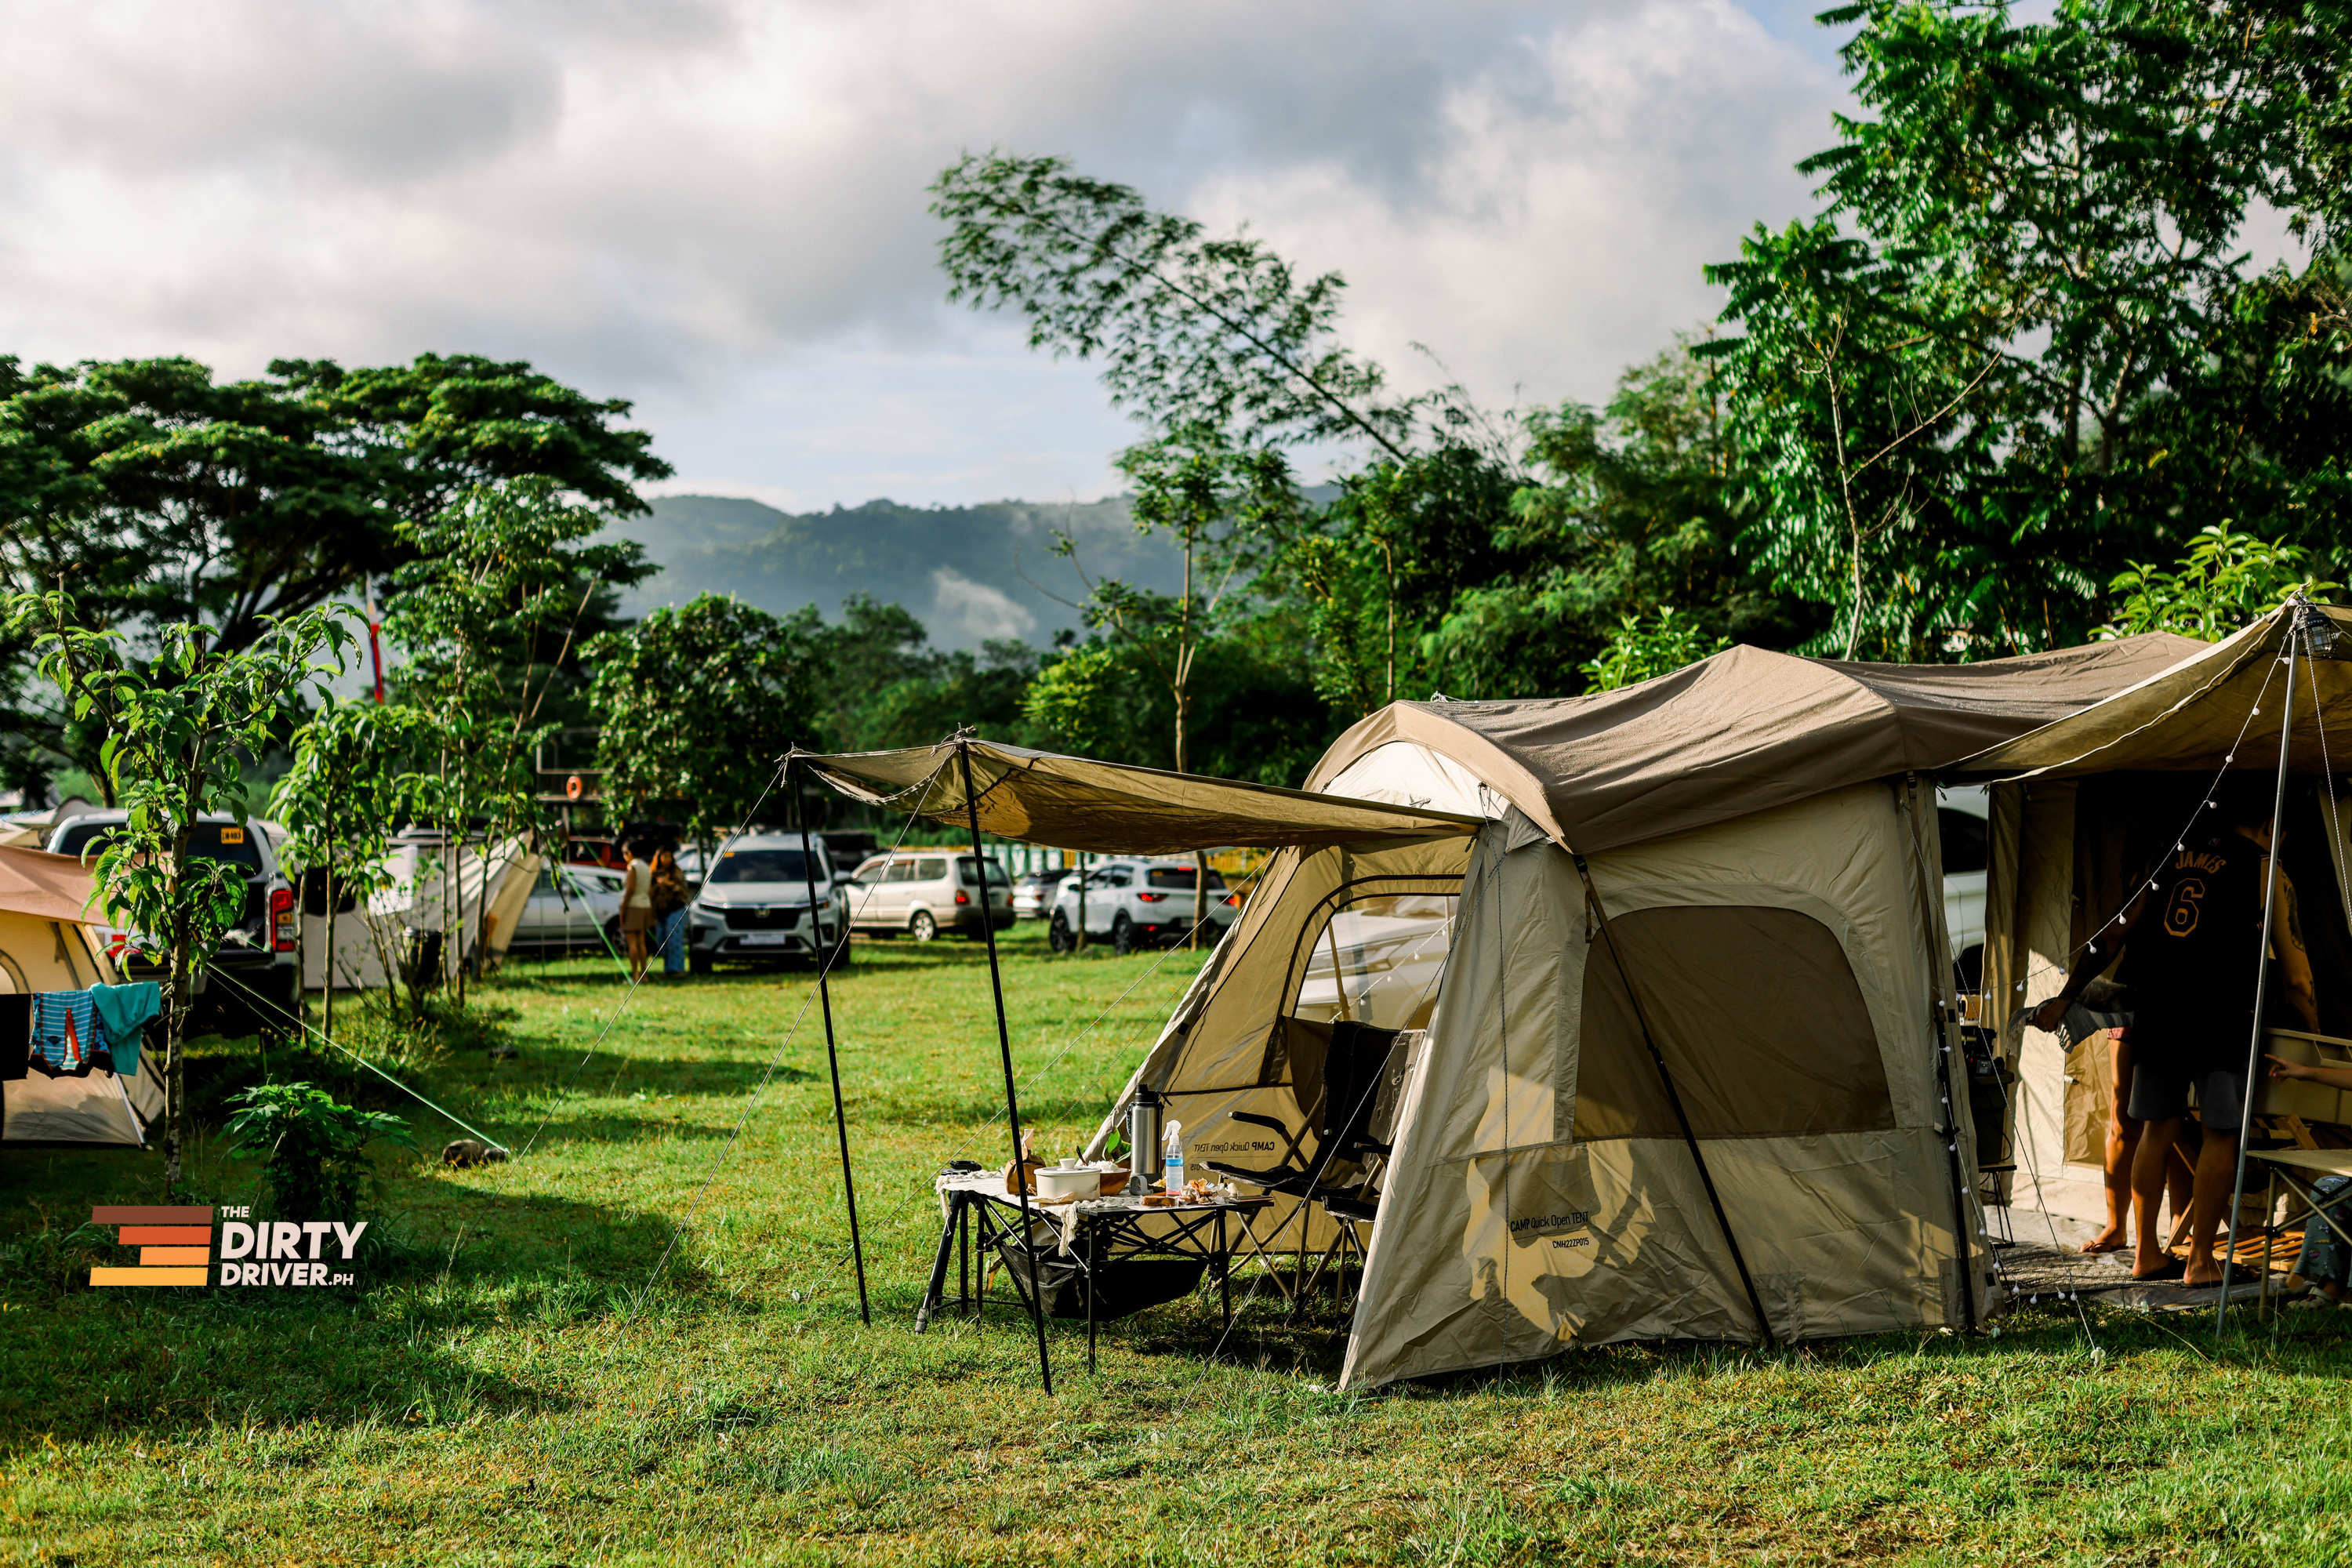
[[313, 1148], [2226, 581], [1638, 650]]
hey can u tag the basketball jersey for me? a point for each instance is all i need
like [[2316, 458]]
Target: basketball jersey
[[2191, 959]]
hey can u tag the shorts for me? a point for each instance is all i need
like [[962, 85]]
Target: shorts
[[636, 918], [2159, 1092]]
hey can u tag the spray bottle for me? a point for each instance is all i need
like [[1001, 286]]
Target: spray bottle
[[1171, 1158]]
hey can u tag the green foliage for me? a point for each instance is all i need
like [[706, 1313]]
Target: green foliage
[[177, 730], [163, 497], [313, 1148], [2021, 346], [1641, 649], [883, 686], [489, 613], [1213, 335], [2225, 581], [1079, 697], [697, 706]]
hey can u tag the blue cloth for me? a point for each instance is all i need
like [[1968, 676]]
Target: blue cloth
[[64, 1030], [2325, 1255], [122, 1013], [669, 939]]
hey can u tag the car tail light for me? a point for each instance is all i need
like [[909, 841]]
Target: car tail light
[[1233, 899], [281, 919], [963, 898], [1151, 897]]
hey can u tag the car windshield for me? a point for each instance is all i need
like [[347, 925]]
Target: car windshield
[[760, 865], [995, 872], [206, 841]]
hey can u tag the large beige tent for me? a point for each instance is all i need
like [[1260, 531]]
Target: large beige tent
[[2079, 808], [1643, 943], [47, 944]]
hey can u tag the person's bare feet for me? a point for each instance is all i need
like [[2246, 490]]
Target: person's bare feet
[[2202, 1271], [2154, 1265], [2111, 1239]]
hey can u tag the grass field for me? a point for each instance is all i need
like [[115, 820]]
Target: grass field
[[507, 1391]]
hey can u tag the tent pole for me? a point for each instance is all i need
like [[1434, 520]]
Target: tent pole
[[1939, 970], [832, 1054], [2261, 980], [1004, 1050], [1657, 1058]]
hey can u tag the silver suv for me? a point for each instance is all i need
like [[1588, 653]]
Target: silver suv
[[251, 988], [924, 892], [754, 904]]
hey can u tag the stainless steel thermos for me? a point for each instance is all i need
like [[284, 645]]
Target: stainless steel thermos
[[1143, 1139]]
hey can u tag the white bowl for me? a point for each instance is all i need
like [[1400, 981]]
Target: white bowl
[[1054, 1182]]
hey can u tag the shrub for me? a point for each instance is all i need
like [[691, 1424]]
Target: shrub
[[313, 1148]]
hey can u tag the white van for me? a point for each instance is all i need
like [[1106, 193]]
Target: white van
[[924, 892]]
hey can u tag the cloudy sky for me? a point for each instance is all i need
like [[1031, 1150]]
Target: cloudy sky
[[718, 209]]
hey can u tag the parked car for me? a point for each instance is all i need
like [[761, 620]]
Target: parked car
[[571, 908], [252, 983], [754, 904], [1032, 893], [850, 850], [923, 893], [1138, 903]]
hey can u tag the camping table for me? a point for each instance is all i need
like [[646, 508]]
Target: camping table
[[2301, 1170], [980, 1212]]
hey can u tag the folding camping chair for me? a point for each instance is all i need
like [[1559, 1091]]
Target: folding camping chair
[[1361, 1078]]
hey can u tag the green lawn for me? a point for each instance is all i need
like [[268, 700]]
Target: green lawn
[[501, 1393]]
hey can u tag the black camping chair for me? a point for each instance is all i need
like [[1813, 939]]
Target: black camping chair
[[1352, 1119]]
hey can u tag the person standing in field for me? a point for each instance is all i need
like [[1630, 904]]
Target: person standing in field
[[636, 909], [670, 902]]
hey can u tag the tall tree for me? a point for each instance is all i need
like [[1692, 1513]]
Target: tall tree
[[179, 729], [167, 496], [2022, 343]]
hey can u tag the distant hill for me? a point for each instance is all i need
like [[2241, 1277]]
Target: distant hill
[[970, 572]]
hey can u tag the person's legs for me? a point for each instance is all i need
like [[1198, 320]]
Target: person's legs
[[2159, 1095], [634, 941], [2123, 1144], [2147, 1174], [2219, 1098], [673, 943]]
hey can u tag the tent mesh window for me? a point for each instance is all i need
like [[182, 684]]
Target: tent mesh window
[[1757, 1014], [1377, 960]]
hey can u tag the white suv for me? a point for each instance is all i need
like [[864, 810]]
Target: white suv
[[1137, 903], [754, 904]]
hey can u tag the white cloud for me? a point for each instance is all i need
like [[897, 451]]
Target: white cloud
[[719, 207], [964, 613]]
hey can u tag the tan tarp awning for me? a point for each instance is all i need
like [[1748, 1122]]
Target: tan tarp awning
[[45, 886], [1745, 730], [1073, 803], [2200, 713]]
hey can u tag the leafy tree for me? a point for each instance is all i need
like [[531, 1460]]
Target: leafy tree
[[1195, 334], [2225, 581], [488, 613], [2021, 345], [313, 1148], [358, 771], [697, 705], [166, 497], [1641, 649], [178, 727]]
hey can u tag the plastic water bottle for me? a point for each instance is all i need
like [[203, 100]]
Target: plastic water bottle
[[1172, 1157]]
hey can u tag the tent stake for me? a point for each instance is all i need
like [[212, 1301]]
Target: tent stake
[[832, 1054], [1707, 1178], [2261, 982], [1004, 1049]]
